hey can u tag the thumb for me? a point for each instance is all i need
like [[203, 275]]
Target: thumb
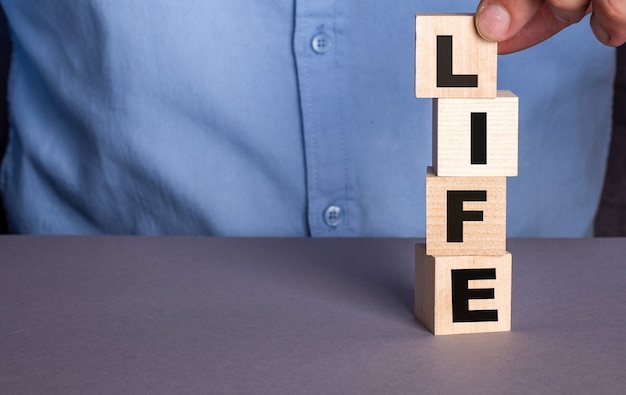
[[499, 20]]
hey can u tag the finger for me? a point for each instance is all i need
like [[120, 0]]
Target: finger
[[608, 21], [543, 25], [569, 11], [499, 20]]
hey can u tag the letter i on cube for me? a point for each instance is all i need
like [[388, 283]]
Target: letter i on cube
[[463, 273]]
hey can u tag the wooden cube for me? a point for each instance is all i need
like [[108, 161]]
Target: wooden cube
[[465, 215], [451, 59], [463, 294], [476, 137]]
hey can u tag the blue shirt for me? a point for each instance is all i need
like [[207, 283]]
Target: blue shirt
[[254, 117]]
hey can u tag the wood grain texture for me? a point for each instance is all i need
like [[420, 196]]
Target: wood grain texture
[[472, 55], [486, 237], [452, 130], [433, 292]]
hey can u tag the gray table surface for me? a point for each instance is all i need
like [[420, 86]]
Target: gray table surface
[[83, 315]]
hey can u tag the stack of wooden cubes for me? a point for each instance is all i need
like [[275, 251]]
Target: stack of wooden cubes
[[463, 273]]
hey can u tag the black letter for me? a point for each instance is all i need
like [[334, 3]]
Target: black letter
[[479, 138], [456, 215], [461, 295], [445, 78]]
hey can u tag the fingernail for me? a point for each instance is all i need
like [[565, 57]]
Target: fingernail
[[601, 34], [492, 22], [561, 18]]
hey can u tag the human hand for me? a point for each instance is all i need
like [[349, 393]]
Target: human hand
[[519, 24]]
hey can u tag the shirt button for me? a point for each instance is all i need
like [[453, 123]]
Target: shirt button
[[320, 43], [333, 215]]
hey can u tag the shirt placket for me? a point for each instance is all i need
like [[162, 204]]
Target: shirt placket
[[321, 77]]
